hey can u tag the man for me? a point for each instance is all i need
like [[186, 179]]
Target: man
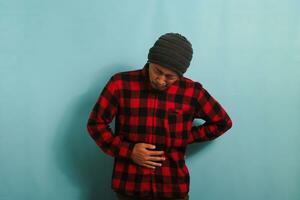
[[154, 109]]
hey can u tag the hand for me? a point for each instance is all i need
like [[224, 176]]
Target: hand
[[144, 157]]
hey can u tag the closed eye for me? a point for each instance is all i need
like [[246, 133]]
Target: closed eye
[[168, 76], [158, 71]]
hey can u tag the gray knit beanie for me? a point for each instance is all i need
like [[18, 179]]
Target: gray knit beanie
[[172, 50]]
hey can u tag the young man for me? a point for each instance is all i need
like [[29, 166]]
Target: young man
[[154, 109]]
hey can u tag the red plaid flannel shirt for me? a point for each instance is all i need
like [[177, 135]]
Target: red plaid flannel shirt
[[162, 118]]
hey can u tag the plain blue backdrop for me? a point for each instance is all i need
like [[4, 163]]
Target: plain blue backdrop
[[56, 56]]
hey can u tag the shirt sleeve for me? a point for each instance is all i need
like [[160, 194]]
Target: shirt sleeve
[[216, 119], [101, 116]]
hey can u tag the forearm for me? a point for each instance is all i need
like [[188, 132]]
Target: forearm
[[209, 130], [111, 144]]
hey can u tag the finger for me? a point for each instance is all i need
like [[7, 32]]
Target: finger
[[153, 163], [148, 166], [149, 146], [155, 153], [156, 158]]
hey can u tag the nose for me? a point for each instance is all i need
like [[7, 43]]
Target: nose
[[160, 80]]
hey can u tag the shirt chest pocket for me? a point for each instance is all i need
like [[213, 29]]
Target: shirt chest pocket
[[178, 124]]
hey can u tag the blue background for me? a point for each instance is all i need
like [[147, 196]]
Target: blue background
[[56, 56]]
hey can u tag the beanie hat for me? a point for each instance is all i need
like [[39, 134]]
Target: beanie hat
[[172, 50]]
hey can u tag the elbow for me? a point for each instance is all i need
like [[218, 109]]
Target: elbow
[[229, 124], [225, 125], [89, 127]]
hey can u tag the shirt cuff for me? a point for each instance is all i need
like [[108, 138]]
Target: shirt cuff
[[126, 149]]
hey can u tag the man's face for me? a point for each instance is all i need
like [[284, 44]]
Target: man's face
[[161, 77]]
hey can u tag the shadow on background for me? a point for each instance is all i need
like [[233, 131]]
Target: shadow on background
[[86, 166], [197, 148]]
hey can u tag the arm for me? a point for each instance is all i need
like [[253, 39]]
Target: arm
[[101, 116], [216, 119]]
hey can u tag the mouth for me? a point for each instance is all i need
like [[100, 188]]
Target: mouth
[[158, 86]]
